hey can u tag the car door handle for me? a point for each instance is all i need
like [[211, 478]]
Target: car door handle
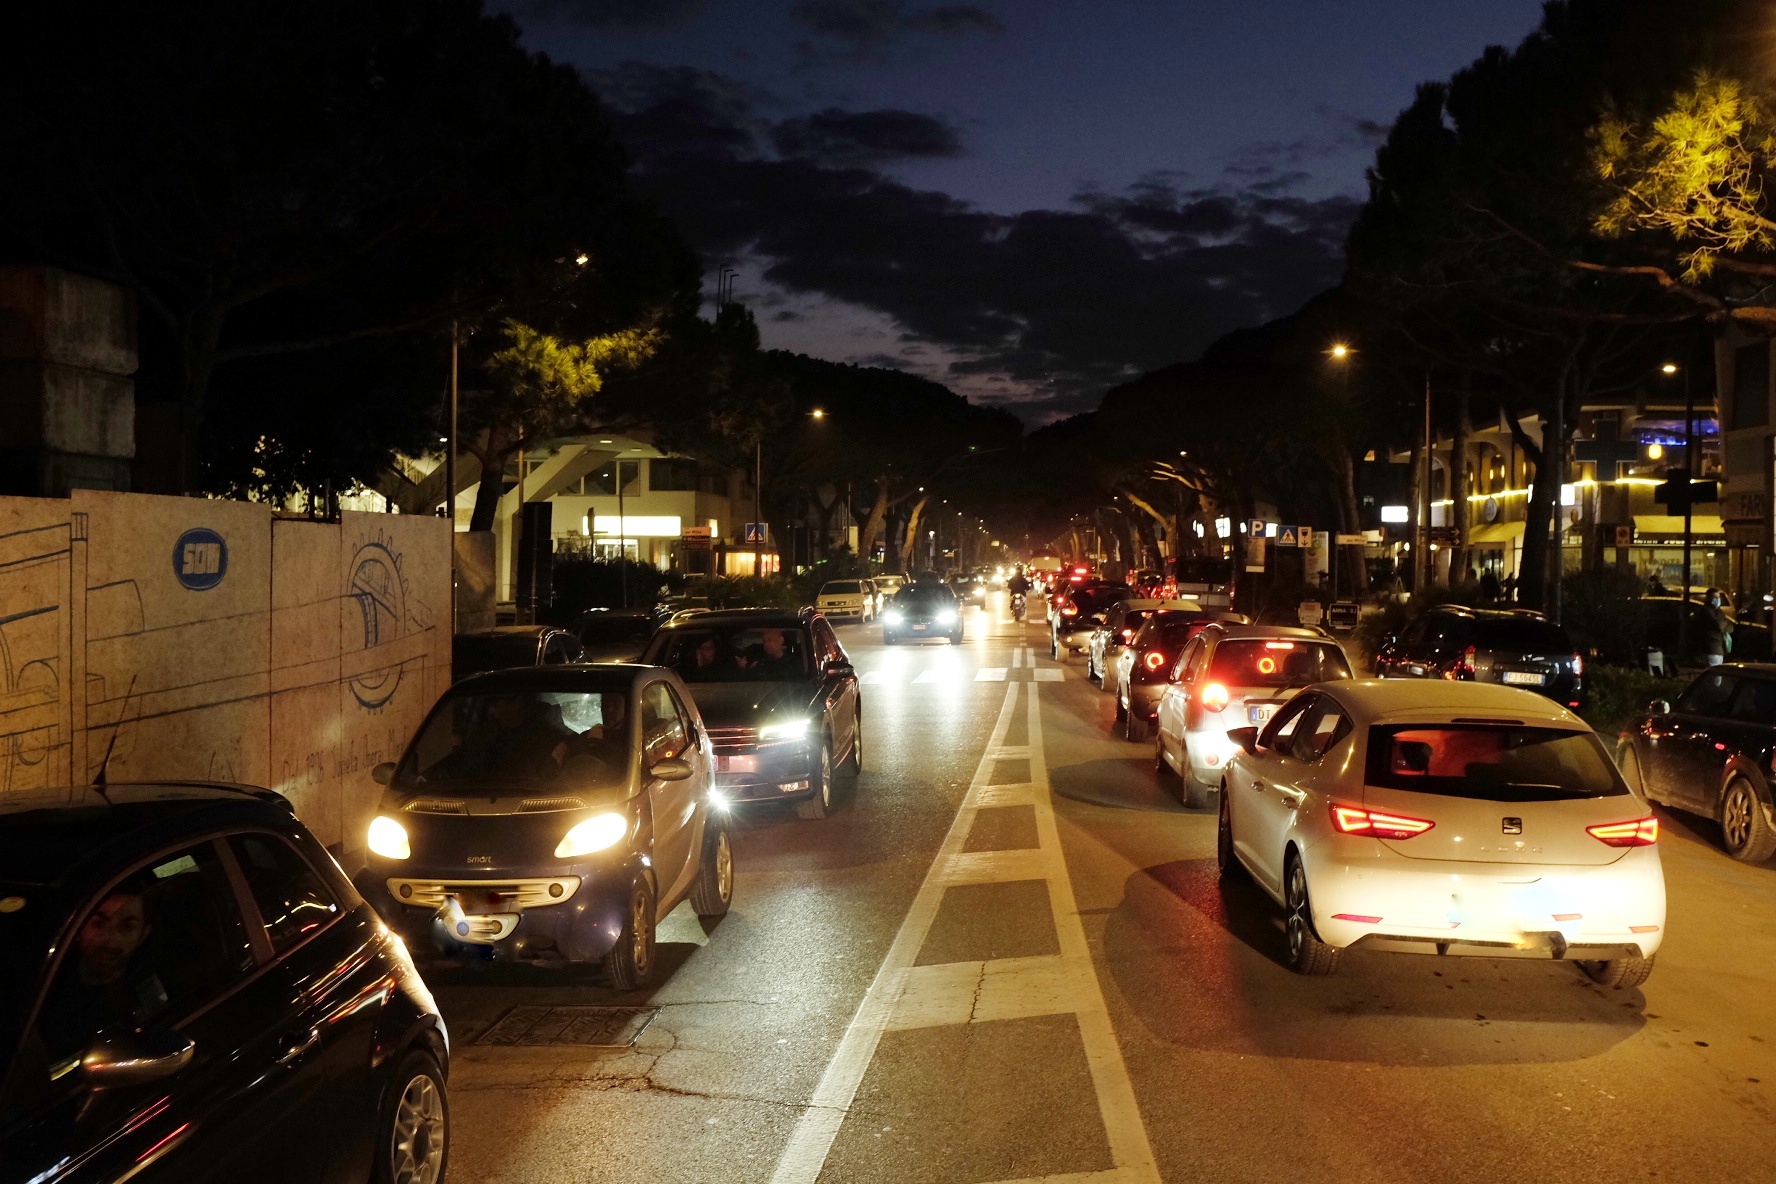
[[1294, 797], [298, 1046], [1257, 786]]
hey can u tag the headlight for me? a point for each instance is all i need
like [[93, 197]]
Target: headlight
[[947, 617], [594, 834], [789, 729], [894, 616], [388, 838]]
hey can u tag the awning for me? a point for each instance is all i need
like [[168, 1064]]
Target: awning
[[1664, 527], [1495, 534]]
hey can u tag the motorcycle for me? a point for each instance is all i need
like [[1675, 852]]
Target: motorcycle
[[1017, 606]]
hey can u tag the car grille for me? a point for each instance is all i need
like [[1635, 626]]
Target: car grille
[[526, 894], [436, 806], [545, 805], [733, 738]]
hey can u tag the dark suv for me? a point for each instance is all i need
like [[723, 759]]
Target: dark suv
[[1517, 648], [779, 697], [191, 990]]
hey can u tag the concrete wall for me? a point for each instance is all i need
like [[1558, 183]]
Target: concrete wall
[[204, 639]]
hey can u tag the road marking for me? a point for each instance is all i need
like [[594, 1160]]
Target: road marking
[[991, 674], [1051, 674], [905, 995]]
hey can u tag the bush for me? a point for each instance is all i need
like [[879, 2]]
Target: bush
[[1603, 612], [842, 566], [1617, 694], [581, 583], [1374, 629]]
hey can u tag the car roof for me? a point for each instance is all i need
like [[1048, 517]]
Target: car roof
[[1376, 700], [639, 614], [1232, 632], [783, 617], [501, 632], [1490, 614], [1766, 669], [579, 676]]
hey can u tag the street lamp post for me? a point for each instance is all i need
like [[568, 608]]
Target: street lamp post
[[1689, 475]]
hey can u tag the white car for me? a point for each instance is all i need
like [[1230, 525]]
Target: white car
[[1448, 818], [846, 598]]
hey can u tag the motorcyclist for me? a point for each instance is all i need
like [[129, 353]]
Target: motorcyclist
[[1019, 587]]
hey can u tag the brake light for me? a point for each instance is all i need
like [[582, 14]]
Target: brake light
[[1279, 645], [1214, 697], [1640, 832], [1578, 663], [1127, 633], [1463, 670], [1354, 820], [1069, 610], [1154, 660]]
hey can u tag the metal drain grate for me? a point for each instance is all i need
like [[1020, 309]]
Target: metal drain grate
[[584, 1027]]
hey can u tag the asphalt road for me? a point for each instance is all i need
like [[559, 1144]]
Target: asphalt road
[[1007, 958]]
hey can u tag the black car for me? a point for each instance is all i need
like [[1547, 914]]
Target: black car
[[780, 697], [1516, 648], [193, 991], [1750, 640], [1079, 612], [511, 646], [922, 610], [1711, 753], [552, 815], [614, 634]]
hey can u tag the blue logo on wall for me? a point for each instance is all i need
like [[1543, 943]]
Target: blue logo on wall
[[200, 559]]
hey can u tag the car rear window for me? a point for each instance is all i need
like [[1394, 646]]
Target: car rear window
[[841, 588], [473, 655], [1096, 600], [1493, 763], [1526, 635], [1255, 662]]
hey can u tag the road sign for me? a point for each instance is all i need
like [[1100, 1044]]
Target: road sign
[[1344, 614], [1311, 612], [1257, 531], [1286, 536], [1624, 536], [697, 538], [1304, 537], [1351, 540], [755, 532]]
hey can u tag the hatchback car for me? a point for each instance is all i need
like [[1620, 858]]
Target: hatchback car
[[846, 598], [920, 611], [1713, 753], [1516, 648], [552, 815], [1145, 664], [1120, 625], [1232, 677], [510, 646], [193, 991], [1454, 819], [1078, 612], [780, 697]]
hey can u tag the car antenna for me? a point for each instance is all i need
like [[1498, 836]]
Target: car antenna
[[98, 780]]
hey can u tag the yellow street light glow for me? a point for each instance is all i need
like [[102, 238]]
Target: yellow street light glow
[[1655, 451], [1340, 351], [817, 413], [1669, 368], [582, 260]]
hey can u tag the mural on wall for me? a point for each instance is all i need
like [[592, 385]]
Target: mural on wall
[[213, 641]]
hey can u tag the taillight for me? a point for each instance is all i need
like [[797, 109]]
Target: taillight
[[1354, 820], [1214, 697], [1578, 664], [1070, 610], [1127, 633], [1154, 660], [1463, 670], [1640, 832]]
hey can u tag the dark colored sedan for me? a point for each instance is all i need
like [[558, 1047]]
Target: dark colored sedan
[[1516, 648], [511, 646], [193, 991], [552, 815], [1713, 753], [921, 611], [780, 697]]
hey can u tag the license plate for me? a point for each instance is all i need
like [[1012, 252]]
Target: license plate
[[1523, 678], [917, 628], [737, 764], [1259, 715]]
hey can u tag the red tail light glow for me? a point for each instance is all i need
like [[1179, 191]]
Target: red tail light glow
[[1357, 917], [1214, 697], [1463, 670], [1069, 610], [1578, 663], [1354, 820], [1127, 633], [1640, 832], [1154, 660]]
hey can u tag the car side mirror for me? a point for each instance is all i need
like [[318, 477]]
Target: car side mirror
[[671, 769], [841, 669], [384, 773], [119, 1059], [1246, 738], [1660, 707]]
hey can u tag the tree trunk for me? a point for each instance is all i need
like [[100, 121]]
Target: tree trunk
[[1459, 505], [494, 454], [872, 527], [200, 338], [1532, 577], [909, 547]]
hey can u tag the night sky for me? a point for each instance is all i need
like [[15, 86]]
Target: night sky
[[1028, 200]]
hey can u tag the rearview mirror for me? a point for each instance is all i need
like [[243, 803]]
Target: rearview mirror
[[1660, 707], [670, 770], [118, 1059], [384, 773], [840, 669], [1246, 738]]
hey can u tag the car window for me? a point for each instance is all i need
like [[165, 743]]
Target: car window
[[1710, 694], [1320, 728], [294, 902], [1492, 762], [1414, 634], [1282, 725], [520, 739], [1755, 702], [1526, 634], [735, 653], [1194, 658], [662, 723], [151, 949], [1255, 662]]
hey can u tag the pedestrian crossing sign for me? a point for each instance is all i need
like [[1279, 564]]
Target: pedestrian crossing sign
[[1286, 536]]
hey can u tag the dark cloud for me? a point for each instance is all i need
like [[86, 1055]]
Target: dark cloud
[[865, 137], [883, 361], [679, 111], [612, 16], [1066, 302], [858, 30]]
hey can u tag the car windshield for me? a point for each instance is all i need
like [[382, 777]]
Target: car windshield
[[735, 653], [603, 631], [1134, 618], [1492, 763], [475, 655], [841, 588], [1173, 628], [1255, 662], [924, 598], [521, 738]]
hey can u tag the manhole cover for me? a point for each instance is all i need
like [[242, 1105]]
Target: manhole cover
[[586, 1027]]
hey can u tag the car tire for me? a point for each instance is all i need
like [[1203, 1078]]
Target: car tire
[[854, 762], [956, 637], [630, 964], [1619, 973], [1091, 668], [1226, 861], [714, 890], [1054, 648], [1308, 955], [413, 1127], [818, 804], [889, 638], [1134, 728], [1745, 828]]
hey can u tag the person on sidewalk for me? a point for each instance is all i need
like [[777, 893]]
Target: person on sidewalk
[[1489, 586], [1715, 628]]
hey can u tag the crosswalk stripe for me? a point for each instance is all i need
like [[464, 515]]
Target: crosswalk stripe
[[1051, 675], [991, 674]]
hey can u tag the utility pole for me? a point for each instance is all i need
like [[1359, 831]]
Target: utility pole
[[450, 472], [758, 514], [1691, 469], [622, 540], [1421, 541]]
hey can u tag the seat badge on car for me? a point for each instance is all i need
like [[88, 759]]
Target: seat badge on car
[[1513, 826]]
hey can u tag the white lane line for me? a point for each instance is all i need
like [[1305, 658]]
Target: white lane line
[[811, 1141], [991, 674], [1051, 674], [1130, 1150], [871, 678]]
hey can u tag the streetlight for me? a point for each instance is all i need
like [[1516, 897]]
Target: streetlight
[[1688, 473], [817, 413]]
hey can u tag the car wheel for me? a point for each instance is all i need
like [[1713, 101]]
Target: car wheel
[[1744, 825], [1307, 953], [1134, 728], [630, 963], [1121, 709], [413, 1143], [1226, 862], [854, 762], [956, 637], [714, 890], [819, 803], [1091, 668], [1054, 647], [1619, 973], [889, 638]]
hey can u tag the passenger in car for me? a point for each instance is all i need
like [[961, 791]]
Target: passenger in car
[[105, 989]]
